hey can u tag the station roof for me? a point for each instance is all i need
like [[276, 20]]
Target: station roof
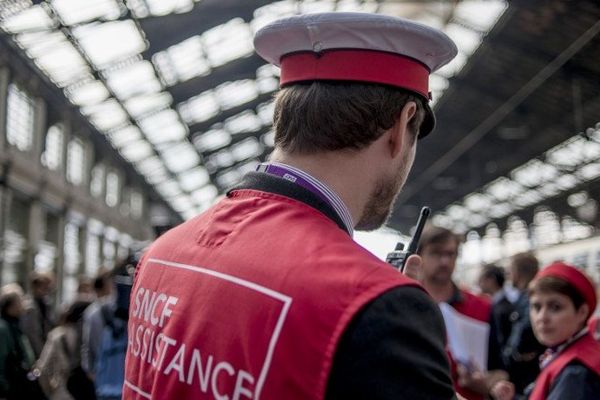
[[175, 87]]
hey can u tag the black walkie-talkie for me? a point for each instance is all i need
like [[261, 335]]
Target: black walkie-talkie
[[399, 256]]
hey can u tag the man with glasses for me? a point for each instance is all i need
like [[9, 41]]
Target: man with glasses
[[439, 251]]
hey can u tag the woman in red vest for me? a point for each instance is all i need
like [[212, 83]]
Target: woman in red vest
[[562, 300]]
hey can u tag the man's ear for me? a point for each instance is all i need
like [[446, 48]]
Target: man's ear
[[399, 132]]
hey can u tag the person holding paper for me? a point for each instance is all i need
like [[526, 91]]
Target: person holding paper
[[562, 299], [439, 250]]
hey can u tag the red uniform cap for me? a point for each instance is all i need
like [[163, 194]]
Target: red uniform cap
[[575, 277], [357, 47]]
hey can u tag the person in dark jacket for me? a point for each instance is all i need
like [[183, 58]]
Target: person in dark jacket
[[491, 283], [522, 350], [16, 354]]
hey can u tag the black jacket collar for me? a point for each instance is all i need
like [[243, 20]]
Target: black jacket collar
[[274, 184]]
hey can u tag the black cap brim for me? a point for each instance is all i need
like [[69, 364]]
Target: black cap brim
[[428, 122]]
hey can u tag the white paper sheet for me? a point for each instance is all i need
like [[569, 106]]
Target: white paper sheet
[[467, 338]]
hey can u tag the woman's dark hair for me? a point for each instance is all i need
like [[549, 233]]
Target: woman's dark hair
[[549, 284], [74, 313]]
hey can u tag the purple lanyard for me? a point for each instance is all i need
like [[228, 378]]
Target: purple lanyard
[[293, 177]]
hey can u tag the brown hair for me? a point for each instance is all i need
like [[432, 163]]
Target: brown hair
[[526, 265], [328, 115], [435, 235], [549, 284]]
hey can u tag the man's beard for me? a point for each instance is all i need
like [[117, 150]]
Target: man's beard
[[379, 207]]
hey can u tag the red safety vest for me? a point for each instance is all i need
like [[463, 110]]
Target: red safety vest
[[585, 350], [247, 301], [477, 308]]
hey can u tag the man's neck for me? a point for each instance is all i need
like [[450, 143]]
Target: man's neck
[[340, 173], [440, 292]]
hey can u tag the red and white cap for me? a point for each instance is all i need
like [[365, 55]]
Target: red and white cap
[[573, 276], [357, 47]]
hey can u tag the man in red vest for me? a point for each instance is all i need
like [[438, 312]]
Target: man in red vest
[[266, 295], [439, 250]]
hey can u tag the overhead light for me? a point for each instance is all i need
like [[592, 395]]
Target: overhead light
[[205, 195], [180, 157], [232, 94], [199, 108], [246, 121], [246, 149], [123, 136], [107, 115], [193, 179], [109, 42], [141, 105], [211, 140], [228, 42], [87, 94], [136, 151], [133, 80], [163, 127], [74, 12], [30, 19], [228, 178]]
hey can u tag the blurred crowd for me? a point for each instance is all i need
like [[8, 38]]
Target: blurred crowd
[[79, 352], [532, 319], [75, 352]]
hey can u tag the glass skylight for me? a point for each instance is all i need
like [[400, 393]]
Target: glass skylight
[[63, 63], [265, 112], [232, 94], [246, 149], [106, 115], [212, 140], [123, 136], [182, 61], [134, 79], [87, 94], [181, 203], [76, 11], [227, 42], [246, 121], [481, 15], [164, 7], [205, 195], [221, 159], [268, 139], [30, 19], [228, 178], [193, 179], [139, 106], [163, 127], [504, 188], [180, 157], [199, 108], [169, 189], [112, 43], [109, 42], [136, 151], [478, 202], [271, 12]]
